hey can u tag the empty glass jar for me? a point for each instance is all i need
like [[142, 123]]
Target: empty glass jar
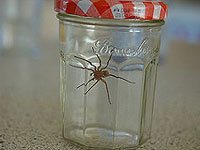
[[108, 75]]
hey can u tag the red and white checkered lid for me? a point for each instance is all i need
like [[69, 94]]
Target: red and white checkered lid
[[113, 9]]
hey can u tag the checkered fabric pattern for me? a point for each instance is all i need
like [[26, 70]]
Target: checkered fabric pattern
[[113, 9]]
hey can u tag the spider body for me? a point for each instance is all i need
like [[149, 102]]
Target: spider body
[[99, 73]]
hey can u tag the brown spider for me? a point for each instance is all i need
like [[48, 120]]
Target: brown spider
[[99, 73]]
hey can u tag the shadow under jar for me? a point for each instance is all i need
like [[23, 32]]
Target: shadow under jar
[[108, 75]]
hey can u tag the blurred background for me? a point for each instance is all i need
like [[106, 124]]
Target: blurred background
[[29, 67], [28, 46]]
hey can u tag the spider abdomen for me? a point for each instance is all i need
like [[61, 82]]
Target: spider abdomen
[[105, 73]]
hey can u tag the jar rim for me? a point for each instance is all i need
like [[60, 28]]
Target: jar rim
[[110, 22]]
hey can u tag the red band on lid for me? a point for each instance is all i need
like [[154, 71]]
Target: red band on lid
[[113, 9]]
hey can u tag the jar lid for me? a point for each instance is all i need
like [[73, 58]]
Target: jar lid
[[113, 9]]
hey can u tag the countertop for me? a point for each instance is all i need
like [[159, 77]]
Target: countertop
[[30, 117]]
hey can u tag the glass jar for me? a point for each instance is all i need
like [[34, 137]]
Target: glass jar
[[108, 75], [108, 60]]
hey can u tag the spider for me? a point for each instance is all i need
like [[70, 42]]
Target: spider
[[99, 73]]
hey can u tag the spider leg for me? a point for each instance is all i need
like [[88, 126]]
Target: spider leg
[[108, 61], [97, 57], [106, 90], [82, 68], [85, 84], [112, 75], [86, 61], [91, 87]]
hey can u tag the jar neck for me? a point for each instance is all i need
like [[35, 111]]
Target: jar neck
[[110, 22]]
